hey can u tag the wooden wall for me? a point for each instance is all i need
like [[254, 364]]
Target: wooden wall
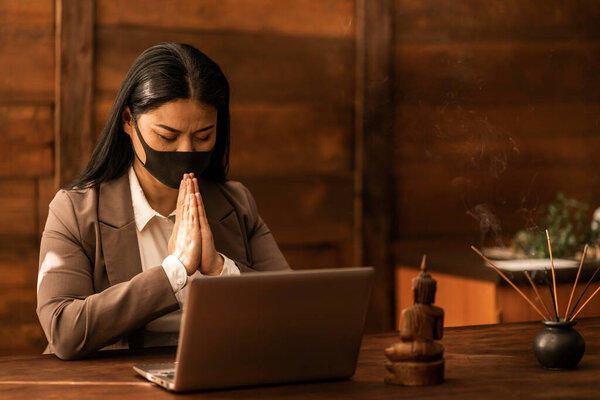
[[497, 109], [494, 105], [26, 163]]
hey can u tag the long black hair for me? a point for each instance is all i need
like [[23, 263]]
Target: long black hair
[[162, 73]]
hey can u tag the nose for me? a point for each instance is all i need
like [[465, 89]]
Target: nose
[[185, 143]]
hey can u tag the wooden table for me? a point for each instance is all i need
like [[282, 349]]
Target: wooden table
[[491, 362]]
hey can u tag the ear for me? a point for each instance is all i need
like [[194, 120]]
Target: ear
[[127, 121]]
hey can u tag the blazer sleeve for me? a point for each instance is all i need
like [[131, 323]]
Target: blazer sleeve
[[265, 253], [76, 320]]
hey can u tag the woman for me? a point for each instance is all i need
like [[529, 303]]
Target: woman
[[152, 210]]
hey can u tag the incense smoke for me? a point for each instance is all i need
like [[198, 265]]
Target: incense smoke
[[489, 224]]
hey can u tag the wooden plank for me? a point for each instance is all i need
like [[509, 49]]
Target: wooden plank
[[26, 25], [21, 338], [26, 140], [465, 301], [74, 87], [18, 304], [433, 202], [373, 157], [21, 331], [479, 144], [497, 73], [472, 20], [329, 18], [422, 131], [27, 16], [18, 270], [305, 210], [17, 207], [260, 67], [290, 139], [495, 155]]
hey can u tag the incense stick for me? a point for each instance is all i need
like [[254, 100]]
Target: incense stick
[[537, 294], [553, 274], [582, 293], [585, 249], [423, 262], [584, 304], [547, 281], [508, 280]]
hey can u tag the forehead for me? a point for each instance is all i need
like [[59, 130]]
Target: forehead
[[183, 112]]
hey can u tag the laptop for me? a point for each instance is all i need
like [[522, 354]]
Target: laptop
[[268, 328]]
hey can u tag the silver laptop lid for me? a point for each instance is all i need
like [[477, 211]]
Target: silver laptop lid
[[275, 327]]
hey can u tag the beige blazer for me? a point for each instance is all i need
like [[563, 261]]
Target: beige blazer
[[91, 288]]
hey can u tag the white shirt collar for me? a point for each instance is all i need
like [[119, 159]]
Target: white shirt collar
[[142, 210]]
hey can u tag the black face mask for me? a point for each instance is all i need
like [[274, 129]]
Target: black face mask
[[169, 166]]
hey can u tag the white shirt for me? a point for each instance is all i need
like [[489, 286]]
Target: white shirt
[[153, 233]]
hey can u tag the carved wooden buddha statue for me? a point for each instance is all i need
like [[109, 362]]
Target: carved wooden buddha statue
[[418, 359]]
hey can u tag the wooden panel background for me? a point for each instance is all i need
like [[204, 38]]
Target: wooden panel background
[[497, 109], [26, 163]]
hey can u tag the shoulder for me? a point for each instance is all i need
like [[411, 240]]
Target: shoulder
[[78, 202], [238, 193], [242, 200], [108, 198], [72, 212]]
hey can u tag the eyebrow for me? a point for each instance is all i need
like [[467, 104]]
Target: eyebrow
[[178, 131]]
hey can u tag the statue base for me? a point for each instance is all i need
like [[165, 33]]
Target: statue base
[[412, 373]]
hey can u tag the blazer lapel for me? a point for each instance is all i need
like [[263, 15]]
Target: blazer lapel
[[224, 223], [118, 231]]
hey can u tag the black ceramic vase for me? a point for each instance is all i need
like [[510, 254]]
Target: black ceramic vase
[[558, 345]]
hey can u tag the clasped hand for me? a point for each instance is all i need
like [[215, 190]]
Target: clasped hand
[[192, 241]]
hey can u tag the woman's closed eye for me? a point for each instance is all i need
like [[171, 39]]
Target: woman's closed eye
[[167, 138], [204, 138], [170, 139]]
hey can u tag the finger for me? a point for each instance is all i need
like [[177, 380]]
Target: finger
[[194, 211], [183, 189], [185, 207], [200, 205], [189, 187], [180, 199], [188, 216], [202, 214], [195, 230], [196, 187]]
